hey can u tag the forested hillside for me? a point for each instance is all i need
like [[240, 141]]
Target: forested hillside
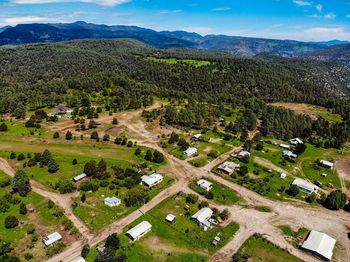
[[125, 74]]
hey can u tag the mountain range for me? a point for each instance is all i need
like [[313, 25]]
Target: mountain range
[[240, 46]]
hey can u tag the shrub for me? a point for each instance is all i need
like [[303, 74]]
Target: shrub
[[23, 209], [191, 199], [69, 135], [3, 127], [335, 200], [106, 138], [50, 204], [55, 249], [74, 162], [21, 157], [85, 251], [293, 190], [56, 135]]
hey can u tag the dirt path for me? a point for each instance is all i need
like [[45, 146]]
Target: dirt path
[[264, 162]]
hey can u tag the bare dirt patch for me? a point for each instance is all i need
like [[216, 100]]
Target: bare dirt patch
[[300, 109], [343, 168]]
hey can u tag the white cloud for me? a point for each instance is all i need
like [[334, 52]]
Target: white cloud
[[99, 2], [164, 12], [302, 3], [319, 8], [224, 8], [330, 16], [24, 19], [327, 33]]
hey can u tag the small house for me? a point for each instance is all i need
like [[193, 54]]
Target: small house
[[289, 154], [190, 151], [228, 167], [52, 238], [202, 217], [112, 201], [79, 177], [284, 146], [243, 154], [305, 186], [170, 218], [295, 141], [152, 180], [320, 244], [326, 164], [283, 175], [205, 184], [139, 230]]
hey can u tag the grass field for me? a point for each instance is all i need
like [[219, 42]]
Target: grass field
[[222, 194], [96, 215], [262, 250], [183, 240], [18, 129], [44, 220], [195, 63]]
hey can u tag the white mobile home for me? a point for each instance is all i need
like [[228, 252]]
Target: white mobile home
[[52, 238], [79, 177], [305, 186], [202, 217], [139, 230], [326, 164], [295, 141], [112, 201], [284, 146], [289, 154], [320, 244], [205, 184]]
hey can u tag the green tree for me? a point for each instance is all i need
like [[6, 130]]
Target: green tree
[[115, 121], [53, 166], [21, 157], [112, 242], [106, 138], [85, 251], [21, 183], [335, 200], [56, 135], [158, 157], [293, 190], [138, 151], [149, 155], [3, 127], [94, 135], [74, 162], [23, 209], [69, 135], [11, 222], [90, 168]]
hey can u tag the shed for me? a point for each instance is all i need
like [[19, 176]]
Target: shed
[[112, 201], [190, 151], [295, 141], [284, 146], [326, 164], [79, 177], [197, 137], [243, 154], [170, 218], [205, 184], [139, 230], [228, 167], [305, 186], [283, 175], [52, 238], [152, 180], [320, 244], [289, 154]]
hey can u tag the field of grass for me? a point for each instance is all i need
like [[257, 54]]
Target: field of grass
[[183, 240], [96, 215], [262, 250], [195, 63], [222, 194], [18, 129], [296, 236], [44, 220]]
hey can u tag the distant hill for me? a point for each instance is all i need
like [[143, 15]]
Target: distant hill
[[235, 45], [333, 53], [332, 42]]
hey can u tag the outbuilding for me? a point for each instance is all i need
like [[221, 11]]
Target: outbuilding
[[170, 218], [320, 244], [112, 201], [295, 141], [243, 154], [205, 184], [289, 154], [191, 151], [285, 146], [139, 230], [196, 137], [228, 167], [283, 175], [202, 217], [52, 238], [79, 177], [152, 180], [326, 164], [305, 186]]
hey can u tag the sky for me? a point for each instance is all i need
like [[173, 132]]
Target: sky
[[305, 20]]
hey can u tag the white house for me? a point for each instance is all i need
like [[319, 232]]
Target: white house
[[152, 180], [79, 177], [320, 244], [228, 167], [139, 230], [197, 137], [170, 218], [190, 151], [283, 175], [51, 239], [205, 184], [289, 154], [202, 217], [305, 186], [326, 164], [112, 201], [295, 141], [284, 146]]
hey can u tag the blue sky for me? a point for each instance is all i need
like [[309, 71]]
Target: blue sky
[[314, 20]]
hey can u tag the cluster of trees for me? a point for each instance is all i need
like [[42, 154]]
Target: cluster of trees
[[111, 246], [155, 156], [44, 159]]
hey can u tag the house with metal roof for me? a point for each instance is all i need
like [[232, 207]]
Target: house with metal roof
[[79, 177], [112, 201], [295, 141], [202, 217], [191, 151], [205, 184], [228, 167], [170, 218], [305, 186], [196, 137], [52, 238], [152, 180], [289, 154], [139, 230], [326, 164], [320, 244]]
